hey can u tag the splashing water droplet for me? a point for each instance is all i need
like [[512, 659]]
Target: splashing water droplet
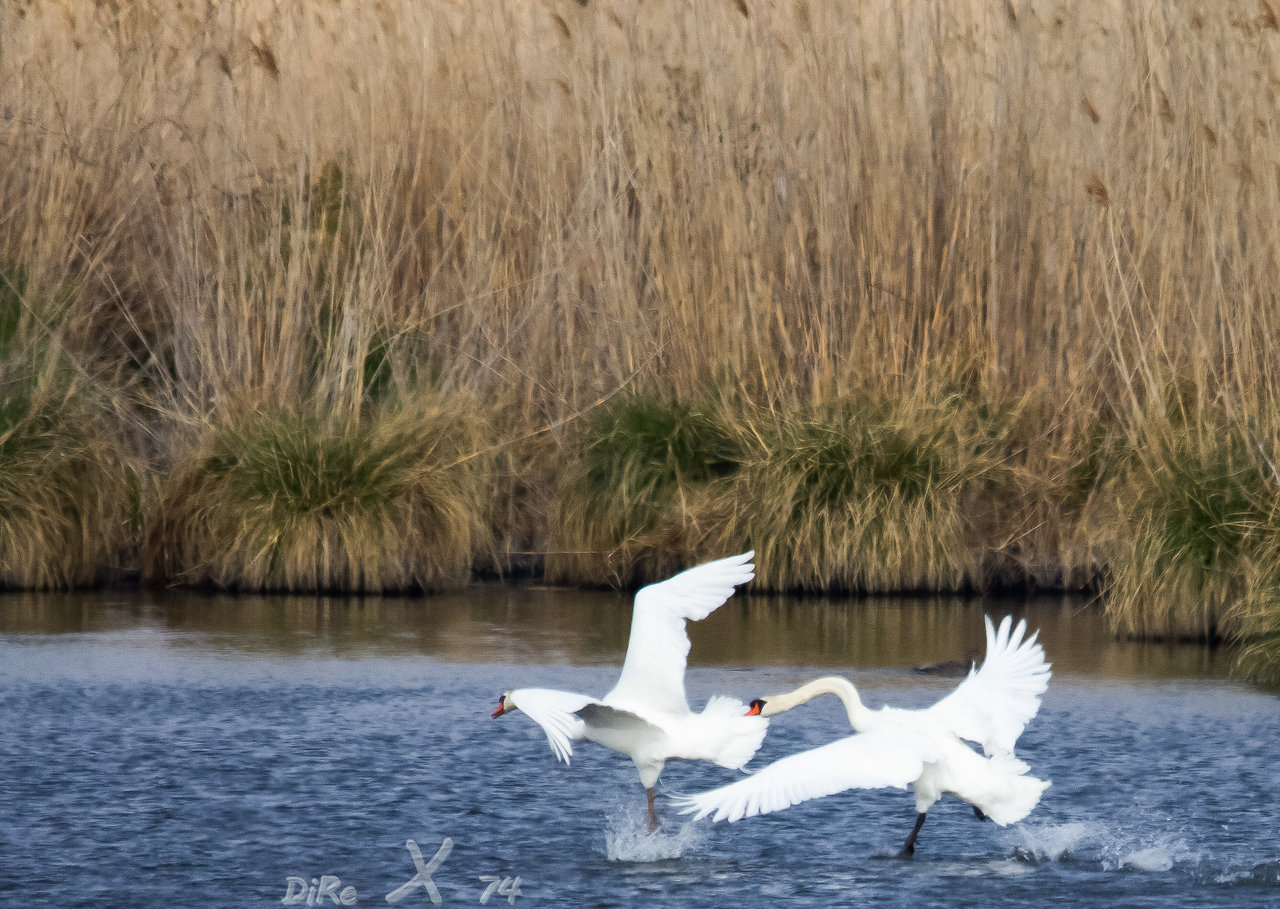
[[1057, 842], [1153, 858], [628, 839]]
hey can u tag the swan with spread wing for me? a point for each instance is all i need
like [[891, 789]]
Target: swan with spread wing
[[646, 716], [926, 749]]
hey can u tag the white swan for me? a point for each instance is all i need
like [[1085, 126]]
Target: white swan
[[926, 749], [646, 716]]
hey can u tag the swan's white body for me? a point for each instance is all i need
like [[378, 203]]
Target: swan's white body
[[925, 749], [646, 716]]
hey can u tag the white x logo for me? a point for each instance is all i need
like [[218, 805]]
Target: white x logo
[[425, 869]]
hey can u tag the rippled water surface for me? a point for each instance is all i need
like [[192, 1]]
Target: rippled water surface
[[190, 751]]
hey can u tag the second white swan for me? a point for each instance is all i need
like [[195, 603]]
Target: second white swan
[[925, 749]]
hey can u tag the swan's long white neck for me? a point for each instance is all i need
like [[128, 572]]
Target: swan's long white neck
[[859, 716]]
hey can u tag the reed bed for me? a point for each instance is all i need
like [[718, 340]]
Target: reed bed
[[647, 491], [67, 493], [1197, 501], [870, 494], [272, 500], [1066, 216]]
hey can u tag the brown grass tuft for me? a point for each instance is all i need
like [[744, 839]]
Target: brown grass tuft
[[271, 500], [67, 487]]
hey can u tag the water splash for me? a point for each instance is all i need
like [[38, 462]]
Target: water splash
[[1261, 874], [1091, 842], [1055, 842], [1152, 858], [627, 839]]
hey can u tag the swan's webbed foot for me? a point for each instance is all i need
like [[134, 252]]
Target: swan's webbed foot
[[909, 847], [977, 812]]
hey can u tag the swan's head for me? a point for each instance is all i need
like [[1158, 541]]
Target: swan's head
[[505, 705], [762, 707]]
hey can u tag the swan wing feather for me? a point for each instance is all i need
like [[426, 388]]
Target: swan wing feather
[[603, 718], [557, 713], [996, 701], [876, 759], [652, 677]]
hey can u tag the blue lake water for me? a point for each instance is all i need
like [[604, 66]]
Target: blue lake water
[[176, 750]]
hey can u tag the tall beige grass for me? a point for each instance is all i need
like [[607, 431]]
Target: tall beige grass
[[1075, 207], [810, 192], [870, 493], [271, 499], [68, 490]]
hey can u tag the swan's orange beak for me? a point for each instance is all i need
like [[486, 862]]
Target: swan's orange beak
[[754, 709], [502, 708]]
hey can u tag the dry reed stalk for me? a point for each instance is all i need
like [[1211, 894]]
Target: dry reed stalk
[[547, 207]]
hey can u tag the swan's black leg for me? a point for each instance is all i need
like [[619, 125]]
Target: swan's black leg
[[977, 812], [909, 847], [653, 814]]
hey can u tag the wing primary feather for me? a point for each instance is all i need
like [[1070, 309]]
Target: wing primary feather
[[997, 699], [652, 674], [870, 760], [556, 712]]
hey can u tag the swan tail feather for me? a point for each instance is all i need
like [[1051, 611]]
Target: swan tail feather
[[1011, 792], [1019, 800]]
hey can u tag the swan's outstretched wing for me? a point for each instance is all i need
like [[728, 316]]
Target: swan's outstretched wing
[[876, 759], [994, 704], [621, 730], [652, 676], [557, 713]]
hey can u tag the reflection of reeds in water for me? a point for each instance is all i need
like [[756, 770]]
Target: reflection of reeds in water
[[242, 201]]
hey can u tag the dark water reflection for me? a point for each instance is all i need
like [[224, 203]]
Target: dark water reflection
[[516, 624]]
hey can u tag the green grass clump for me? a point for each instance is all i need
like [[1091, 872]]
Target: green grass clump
[[1256, 616], [868, 494], [637, 501], [1199, 541], [1196, 507], [65, 486], [1050, 527], [274, 500]]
